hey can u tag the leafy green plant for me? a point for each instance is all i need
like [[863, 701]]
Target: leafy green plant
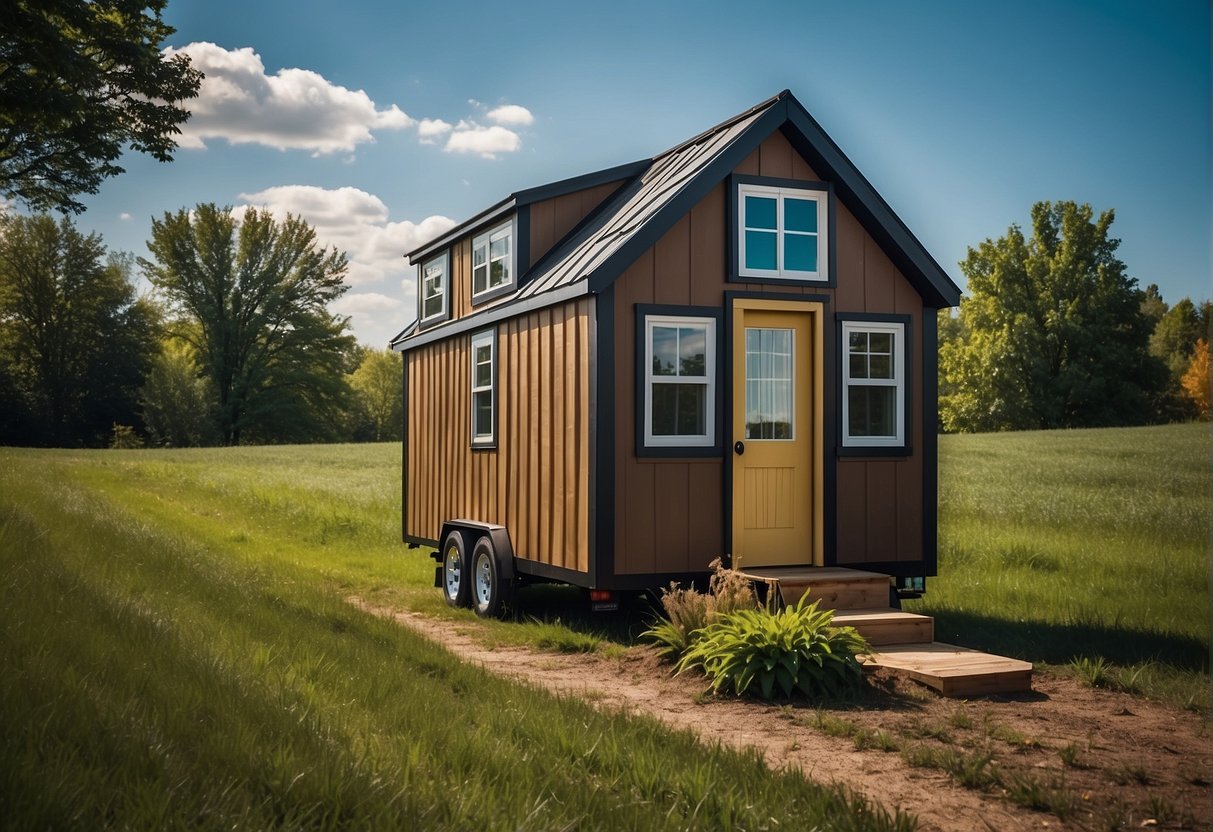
[[795, 650]]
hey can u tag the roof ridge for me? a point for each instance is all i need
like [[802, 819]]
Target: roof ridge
[[728, 122]]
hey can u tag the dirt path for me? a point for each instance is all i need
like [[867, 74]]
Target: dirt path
[[1128, 762]]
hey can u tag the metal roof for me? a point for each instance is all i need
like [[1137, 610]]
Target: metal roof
[[607, 241]]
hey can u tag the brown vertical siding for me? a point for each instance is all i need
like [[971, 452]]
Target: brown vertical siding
[[536, 481], [551, 219], [669, 511]]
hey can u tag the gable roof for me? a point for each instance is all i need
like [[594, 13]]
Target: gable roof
[[596, 252]]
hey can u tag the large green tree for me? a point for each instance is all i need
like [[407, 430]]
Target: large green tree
[[81, 80], [1051, 331], [251, 295], [75, 340], [379, 383], [178, 405]]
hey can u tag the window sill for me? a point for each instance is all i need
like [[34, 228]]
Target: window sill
[[871, 451]]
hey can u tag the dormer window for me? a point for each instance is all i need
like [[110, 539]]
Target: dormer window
[[433, 294], [493, 263], [782, 230]]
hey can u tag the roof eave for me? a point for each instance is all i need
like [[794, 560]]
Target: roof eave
[[856, 192]]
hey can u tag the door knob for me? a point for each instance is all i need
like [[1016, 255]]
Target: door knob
[[739, 447]]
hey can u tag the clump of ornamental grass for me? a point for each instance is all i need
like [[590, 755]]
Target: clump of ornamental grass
[[688, 610], [795, 651]]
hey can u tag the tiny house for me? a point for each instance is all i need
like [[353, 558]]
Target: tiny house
[[726, 350]]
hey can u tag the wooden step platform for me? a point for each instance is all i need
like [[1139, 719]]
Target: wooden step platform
[[836, 587], [955, 671], [904, 641], [888, 626]]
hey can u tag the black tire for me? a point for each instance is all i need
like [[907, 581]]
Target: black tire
[[490, 592], [456, 571]]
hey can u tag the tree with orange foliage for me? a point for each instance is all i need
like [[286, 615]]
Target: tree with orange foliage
[[1196, 381]]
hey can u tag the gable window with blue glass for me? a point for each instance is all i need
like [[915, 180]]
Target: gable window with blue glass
[[782, 232]]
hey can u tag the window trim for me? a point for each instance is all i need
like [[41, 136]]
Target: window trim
[[484, 336], [900, 327], [445, 313], [821, 192], [485, 237], [647, 445]]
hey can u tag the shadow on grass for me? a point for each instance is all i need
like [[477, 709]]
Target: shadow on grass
[[1038, 641], [570, 606]]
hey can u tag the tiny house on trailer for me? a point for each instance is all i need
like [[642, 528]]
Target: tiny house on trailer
[[728, 349]]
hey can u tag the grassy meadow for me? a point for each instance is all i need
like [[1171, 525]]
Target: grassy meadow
[[179, 651], [1082, 544]]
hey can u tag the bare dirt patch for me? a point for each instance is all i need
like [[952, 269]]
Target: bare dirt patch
[[1086, 759]]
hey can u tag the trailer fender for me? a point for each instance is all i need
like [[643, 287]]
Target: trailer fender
[[475, 529]]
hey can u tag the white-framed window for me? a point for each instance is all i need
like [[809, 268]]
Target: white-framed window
[[492, 261], [679, 381], [484, 387], [874, 384], [782, 232], [433, 294]]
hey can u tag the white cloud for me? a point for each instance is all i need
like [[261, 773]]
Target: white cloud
[[292, 109], [431, 129], [375, 317], [125, 216], [512, 114], [357, 223], [470, 137]]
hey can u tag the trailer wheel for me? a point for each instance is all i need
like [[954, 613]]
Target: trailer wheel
[[490, 592], [456, 571]]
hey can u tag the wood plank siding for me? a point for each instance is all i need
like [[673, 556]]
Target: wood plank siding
[[535, 482], [551, 219], [669, 513]]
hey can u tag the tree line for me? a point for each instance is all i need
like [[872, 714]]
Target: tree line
[[1053, 333], [233, 345]]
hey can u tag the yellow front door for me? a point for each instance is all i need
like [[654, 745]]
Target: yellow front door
[[777, 432]]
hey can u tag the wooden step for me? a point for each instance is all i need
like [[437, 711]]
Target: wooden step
[[835, 587], [955, 671], [888, 626]]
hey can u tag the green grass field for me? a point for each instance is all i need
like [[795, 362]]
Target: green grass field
[[178, 650], [178, 653], [1057, 545]]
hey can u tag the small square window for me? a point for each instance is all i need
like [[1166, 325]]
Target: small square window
[[781, 232]]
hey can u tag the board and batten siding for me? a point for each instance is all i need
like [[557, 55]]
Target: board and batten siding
[[669, 514], [535, 482], [549, 220]]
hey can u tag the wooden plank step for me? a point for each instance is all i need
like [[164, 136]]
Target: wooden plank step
[[888, 626], [835, 587], [955, 671]]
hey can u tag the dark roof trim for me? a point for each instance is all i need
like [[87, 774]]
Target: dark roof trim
[[712, 175], [486, 216], [811, 141], [490, 316], [580, 183], [405, 333], [869, 207], [528, 196]]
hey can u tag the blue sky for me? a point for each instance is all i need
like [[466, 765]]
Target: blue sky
[[384, 122]]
